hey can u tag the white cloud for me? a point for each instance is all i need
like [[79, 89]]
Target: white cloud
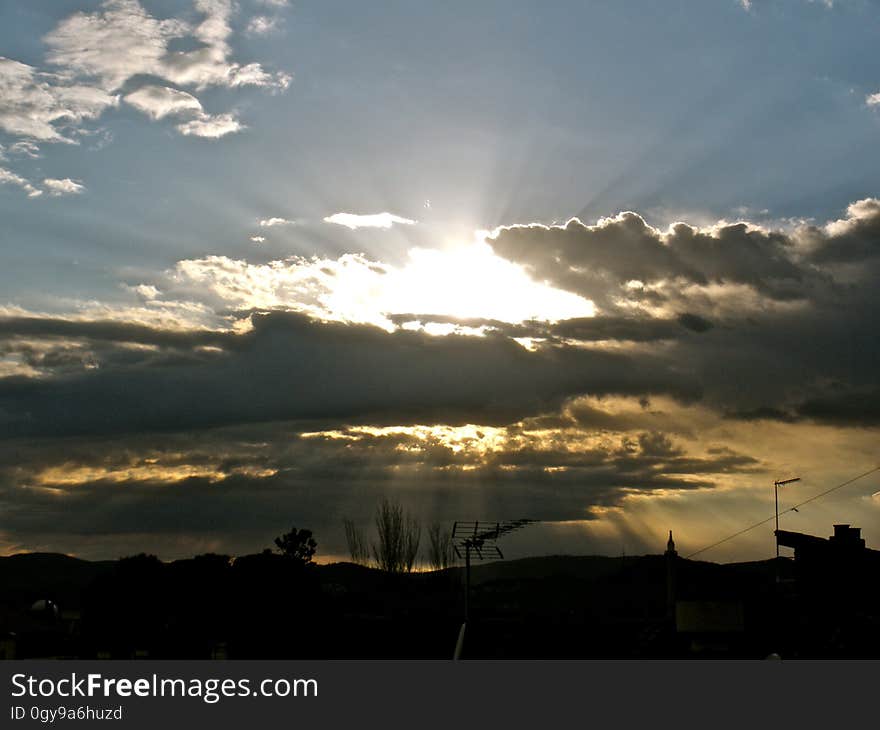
[[258, 239], [857, 214], [873, 99], [747, 4], [53, 186], [211, 127], [468, 282], [210, 64], [7, 177], [148, 292], [123, 40], [160, 101], [113, 45], [270, 222], [97, 53], [41, 106], [63, 187], [26, 148], [262, 25], [376, 220]]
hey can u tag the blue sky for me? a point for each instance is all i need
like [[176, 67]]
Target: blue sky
[[497, 113], [230, 222]]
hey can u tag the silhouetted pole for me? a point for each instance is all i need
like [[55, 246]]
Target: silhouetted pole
[[467, 582], [776, 486], [776, 504], [459, 645]]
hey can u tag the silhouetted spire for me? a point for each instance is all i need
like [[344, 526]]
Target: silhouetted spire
[[671, 560]]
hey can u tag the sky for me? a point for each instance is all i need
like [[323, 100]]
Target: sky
[[607, 265]]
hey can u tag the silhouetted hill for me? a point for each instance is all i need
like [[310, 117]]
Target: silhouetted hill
[[31, 576], [586, 567], [28, 577]]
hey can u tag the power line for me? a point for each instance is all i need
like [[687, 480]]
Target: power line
[[790, 509]]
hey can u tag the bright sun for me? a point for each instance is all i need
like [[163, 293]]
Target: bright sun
[[472, 282], [464, 281]]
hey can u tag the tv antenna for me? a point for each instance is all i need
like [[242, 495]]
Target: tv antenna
[[776, 486], [477, 540]]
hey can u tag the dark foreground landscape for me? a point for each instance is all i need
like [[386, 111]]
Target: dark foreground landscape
[[823, 603]]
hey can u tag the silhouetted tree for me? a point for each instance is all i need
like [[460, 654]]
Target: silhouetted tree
[[358, 547], [297, 545], [127, 607], [440, 547], [212, 561], [412, 535], [398, 534]]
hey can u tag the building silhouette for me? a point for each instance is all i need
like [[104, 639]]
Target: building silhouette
[[838, 573]]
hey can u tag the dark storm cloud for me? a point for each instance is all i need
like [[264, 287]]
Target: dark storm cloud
[[796, 358], [584, 329], [292, 367], [847, 407], [594, 260], [111, 496], [630, 329], [109, 331], [799, 343], [850, 407], [854, 239], [694, 322], [788, 363], [58, 357]]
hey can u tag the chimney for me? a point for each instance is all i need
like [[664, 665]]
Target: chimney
[[847, 537]]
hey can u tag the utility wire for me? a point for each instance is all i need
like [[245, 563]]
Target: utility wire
[[790, 509]]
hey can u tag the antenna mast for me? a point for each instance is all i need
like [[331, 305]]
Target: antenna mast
[[477, 540], [776, 486]]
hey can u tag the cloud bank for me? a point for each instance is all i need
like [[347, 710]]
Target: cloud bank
[[714, 357]]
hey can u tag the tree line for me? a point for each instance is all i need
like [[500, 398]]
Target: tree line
[[394, 549], [398, 535]]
